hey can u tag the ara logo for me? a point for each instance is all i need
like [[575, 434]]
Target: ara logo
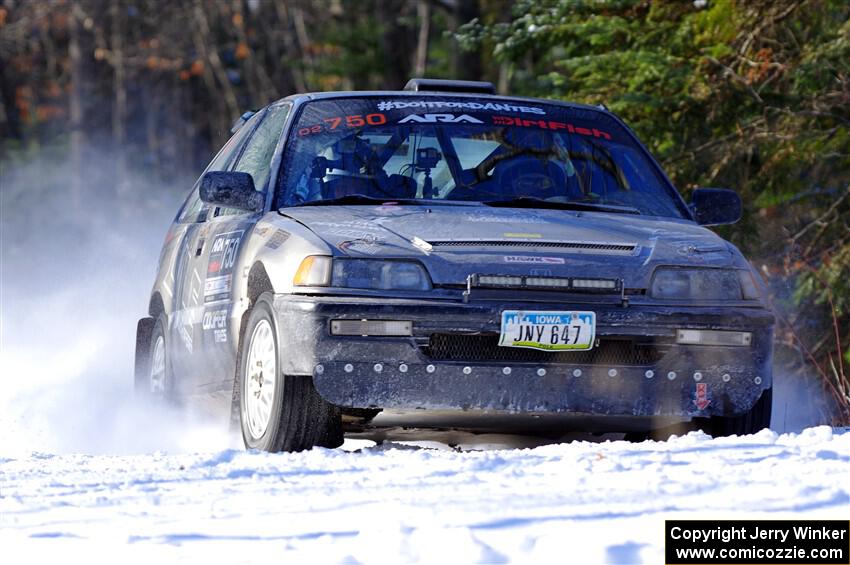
[[223, 253], [440, 118]]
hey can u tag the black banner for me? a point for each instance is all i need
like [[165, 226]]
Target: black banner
[[762, 542]]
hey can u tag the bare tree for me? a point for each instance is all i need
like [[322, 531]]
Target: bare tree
[[292, 57], [119, 87], [423, 11], [75, 104], [302, 37], [396, 39], [213, 67]]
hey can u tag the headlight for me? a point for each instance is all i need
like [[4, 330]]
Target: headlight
[[696, 284], [382, 275], [362, 273]]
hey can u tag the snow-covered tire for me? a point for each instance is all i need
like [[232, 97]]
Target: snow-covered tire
[[153, 376], [750, 422], [143, 354], [278, 412]]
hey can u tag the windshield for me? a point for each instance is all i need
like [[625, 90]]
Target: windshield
[[463, 149]]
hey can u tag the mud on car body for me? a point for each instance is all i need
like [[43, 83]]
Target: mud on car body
[[446, 257]]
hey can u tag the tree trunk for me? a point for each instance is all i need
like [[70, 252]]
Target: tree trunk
[[9, 113], [213, 67], [466, 64], [303, 39], [503, 86], [292, 55], [76, 108], [273, 57], [420, 65], [395, 40], [260, 86], [119, 109], [152, 108]]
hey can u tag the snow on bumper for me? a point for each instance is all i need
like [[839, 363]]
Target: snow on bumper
[[452, 363]]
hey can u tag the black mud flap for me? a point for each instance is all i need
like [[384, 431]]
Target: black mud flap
[[144, 329]]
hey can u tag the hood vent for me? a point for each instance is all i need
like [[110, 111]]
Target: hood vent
[[568, 246]]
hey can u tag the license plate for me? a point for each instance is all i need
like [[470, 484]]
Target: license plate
[[548, 331]]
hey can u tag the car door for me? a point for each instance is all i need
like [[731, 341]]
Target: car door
[[217, 263], [189, 291]]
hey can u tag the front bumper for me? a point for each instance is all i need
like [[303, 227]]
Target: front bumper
[[403, 373]]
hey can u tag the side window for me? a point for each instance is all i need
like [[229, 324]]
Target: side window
[[257, 157], [194, 210]]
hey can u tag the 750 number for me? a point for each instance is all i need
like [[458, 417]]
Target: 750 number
[[354, 121]]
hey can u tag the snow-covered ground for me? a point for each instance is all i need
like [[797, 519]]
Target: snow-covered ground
[[591, 502]]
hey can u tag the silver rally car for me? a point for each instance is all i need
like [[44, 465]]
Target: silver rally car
[[442, 257]]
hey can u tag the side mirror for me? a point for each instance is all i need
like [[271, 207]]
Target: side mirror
[[231, 190], [715, 206]]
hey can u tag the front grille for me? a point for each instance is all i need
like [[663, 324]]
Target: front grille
[[484, 348], [599, 248]]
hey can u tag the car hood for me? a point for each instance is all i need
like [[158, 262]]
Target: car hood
[[456, 241]]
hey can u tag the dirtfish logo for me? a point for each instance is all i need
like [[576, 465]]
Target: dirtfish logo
[[440, 118]]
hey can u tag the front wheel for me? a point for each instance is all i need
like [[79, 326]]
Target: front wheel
[[278, 412]]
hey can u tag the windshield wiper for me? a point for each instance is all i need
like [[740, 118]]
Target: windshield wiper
[[360, 199], [529, 202]]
